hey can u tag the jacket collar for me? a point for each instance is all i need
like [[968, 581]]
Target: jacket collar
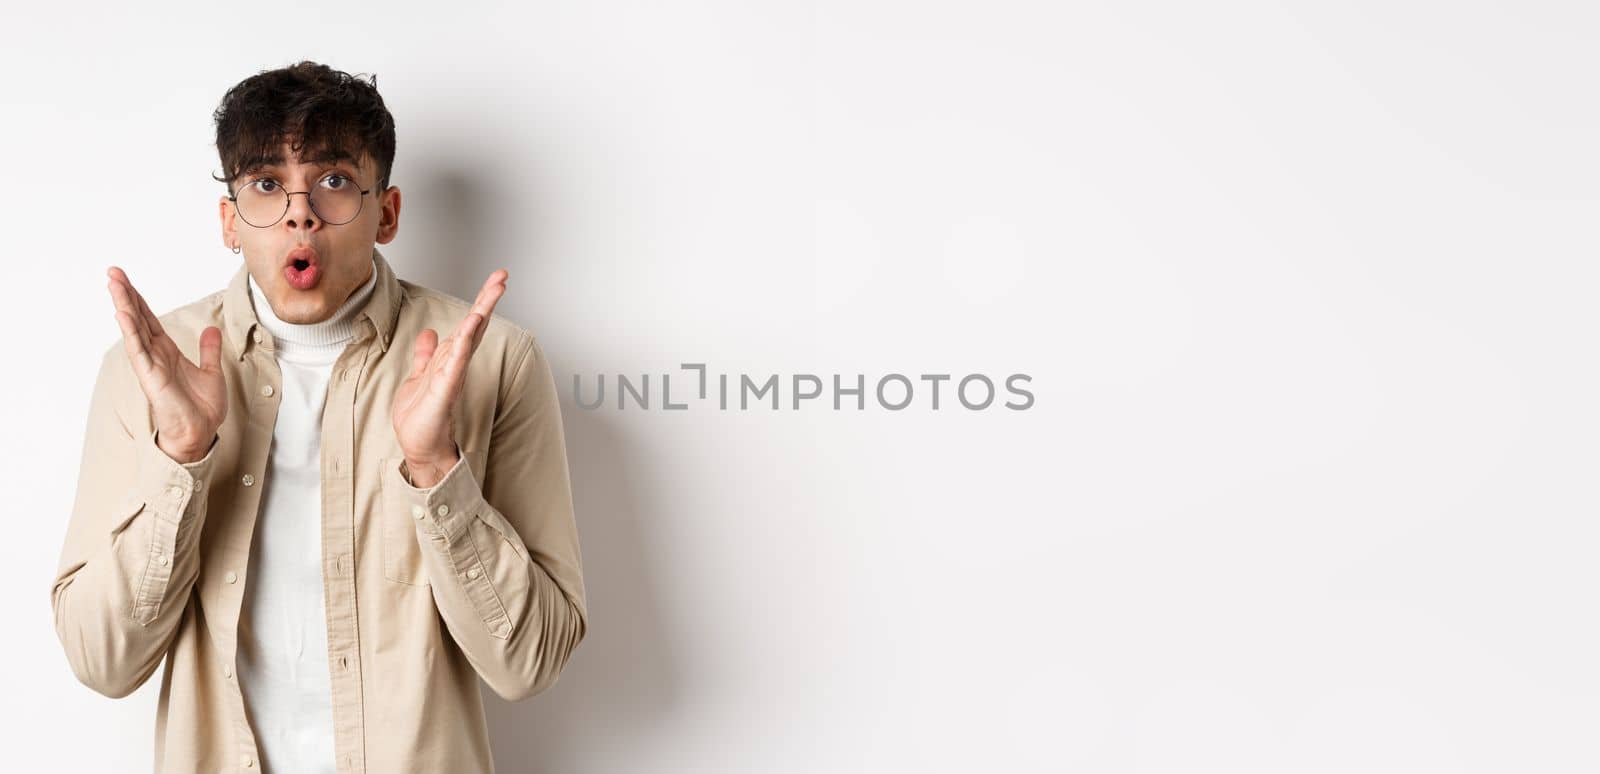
[[382, 309]]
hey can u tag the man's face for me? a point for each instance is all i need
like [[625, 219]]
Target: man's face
[[338, 258]]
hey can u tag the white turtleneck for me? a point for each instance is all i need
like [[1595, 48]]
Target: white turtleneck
[[283, 637]]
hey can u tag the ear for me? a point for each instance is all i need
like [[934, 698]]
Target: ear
[[225, 215], [389, 214]]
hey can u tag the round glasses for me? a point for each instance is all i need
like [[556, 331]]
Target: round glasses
[[335, 198]]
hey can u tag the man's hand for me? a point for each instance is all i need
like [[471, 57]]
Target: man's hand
[[422, 409], [189, 401]]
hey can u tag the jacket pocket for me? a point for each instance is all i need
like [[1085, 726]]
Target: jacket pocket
[[402, 551], [127, 509]]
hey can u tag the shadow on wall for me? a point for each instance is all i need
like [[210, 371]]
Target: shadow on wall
[[620, 680], [621, 677]]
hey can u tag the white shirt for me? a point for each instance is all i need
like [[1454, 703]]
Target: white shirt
[[283, 637]]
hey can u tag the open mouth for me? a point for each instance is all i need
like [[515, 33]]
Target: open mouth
[[302, 270]]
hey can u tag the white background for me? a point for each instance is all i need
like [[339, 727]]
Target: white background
[[1305, 289]]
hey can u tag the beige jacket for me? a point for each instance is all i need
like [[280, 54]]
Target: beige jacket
[[425, 590]]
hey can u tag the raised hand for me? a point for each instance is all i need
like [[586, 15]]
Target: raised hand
[[188, 401], [422, 409]]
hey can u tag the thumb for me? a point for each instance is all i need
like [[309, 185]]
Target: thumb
[[422, 351], [211, 349]]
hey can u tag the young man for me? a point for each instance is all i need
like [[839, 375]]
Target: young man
[[327, 522]]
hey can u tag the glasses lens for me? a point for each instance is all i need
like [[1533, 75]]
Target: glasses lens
[[261, 202], [336, 199]]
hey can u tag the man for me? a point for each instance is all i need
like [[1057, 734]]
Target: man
[[328, 535]]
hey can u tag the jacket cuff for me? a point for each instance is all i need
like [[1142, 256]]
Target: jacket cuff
[[171, 487], [444, 509]]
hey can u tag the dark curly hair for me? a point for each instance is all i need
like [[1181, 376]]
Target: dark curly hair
[[325, 113]]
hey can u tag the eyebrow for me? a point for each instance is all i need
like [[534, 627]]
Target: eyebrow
[[262, 163]]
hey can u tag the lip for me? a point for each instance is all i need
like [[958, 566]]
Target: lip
[[303, 253], [302, 279]]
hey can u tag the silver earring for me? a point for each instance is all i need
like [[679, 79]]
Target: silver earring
[[236, 250]]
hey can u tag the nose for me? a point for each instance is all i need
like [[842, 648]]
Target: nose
[[300, 215]]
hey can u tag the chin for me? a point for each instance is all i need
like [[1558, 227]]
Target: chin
[[303, 311]]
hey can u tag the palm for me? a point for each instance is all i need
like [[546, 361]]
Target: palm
[[188, 400], [421, 410], [185, 395], [423, 406]]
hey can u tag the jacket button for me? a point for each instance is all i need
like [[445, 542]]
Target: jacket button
[[232, 577], [443, 509], [162, 560], [473, 573], [227, 671], [418, 512], [249, 761], [248, 479], [257, 337], [266, 390]]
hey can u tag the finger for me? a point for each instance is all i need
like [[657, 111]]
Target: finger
[[441, 356], [133, 344], [456, 365], [155, 322], [125, 305], [155, 337], [445, 373], [121, 298], [487, 298], [422, 352], [211, 348], [140, 306], [491, 291], [154, 332], [460, 332]]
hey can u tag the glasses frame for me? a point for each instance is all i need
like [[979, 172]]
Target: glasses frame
[[234, 197]]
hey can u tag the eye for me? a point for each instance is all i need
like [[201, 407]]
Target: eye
[[264, 185], [336, 182]]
